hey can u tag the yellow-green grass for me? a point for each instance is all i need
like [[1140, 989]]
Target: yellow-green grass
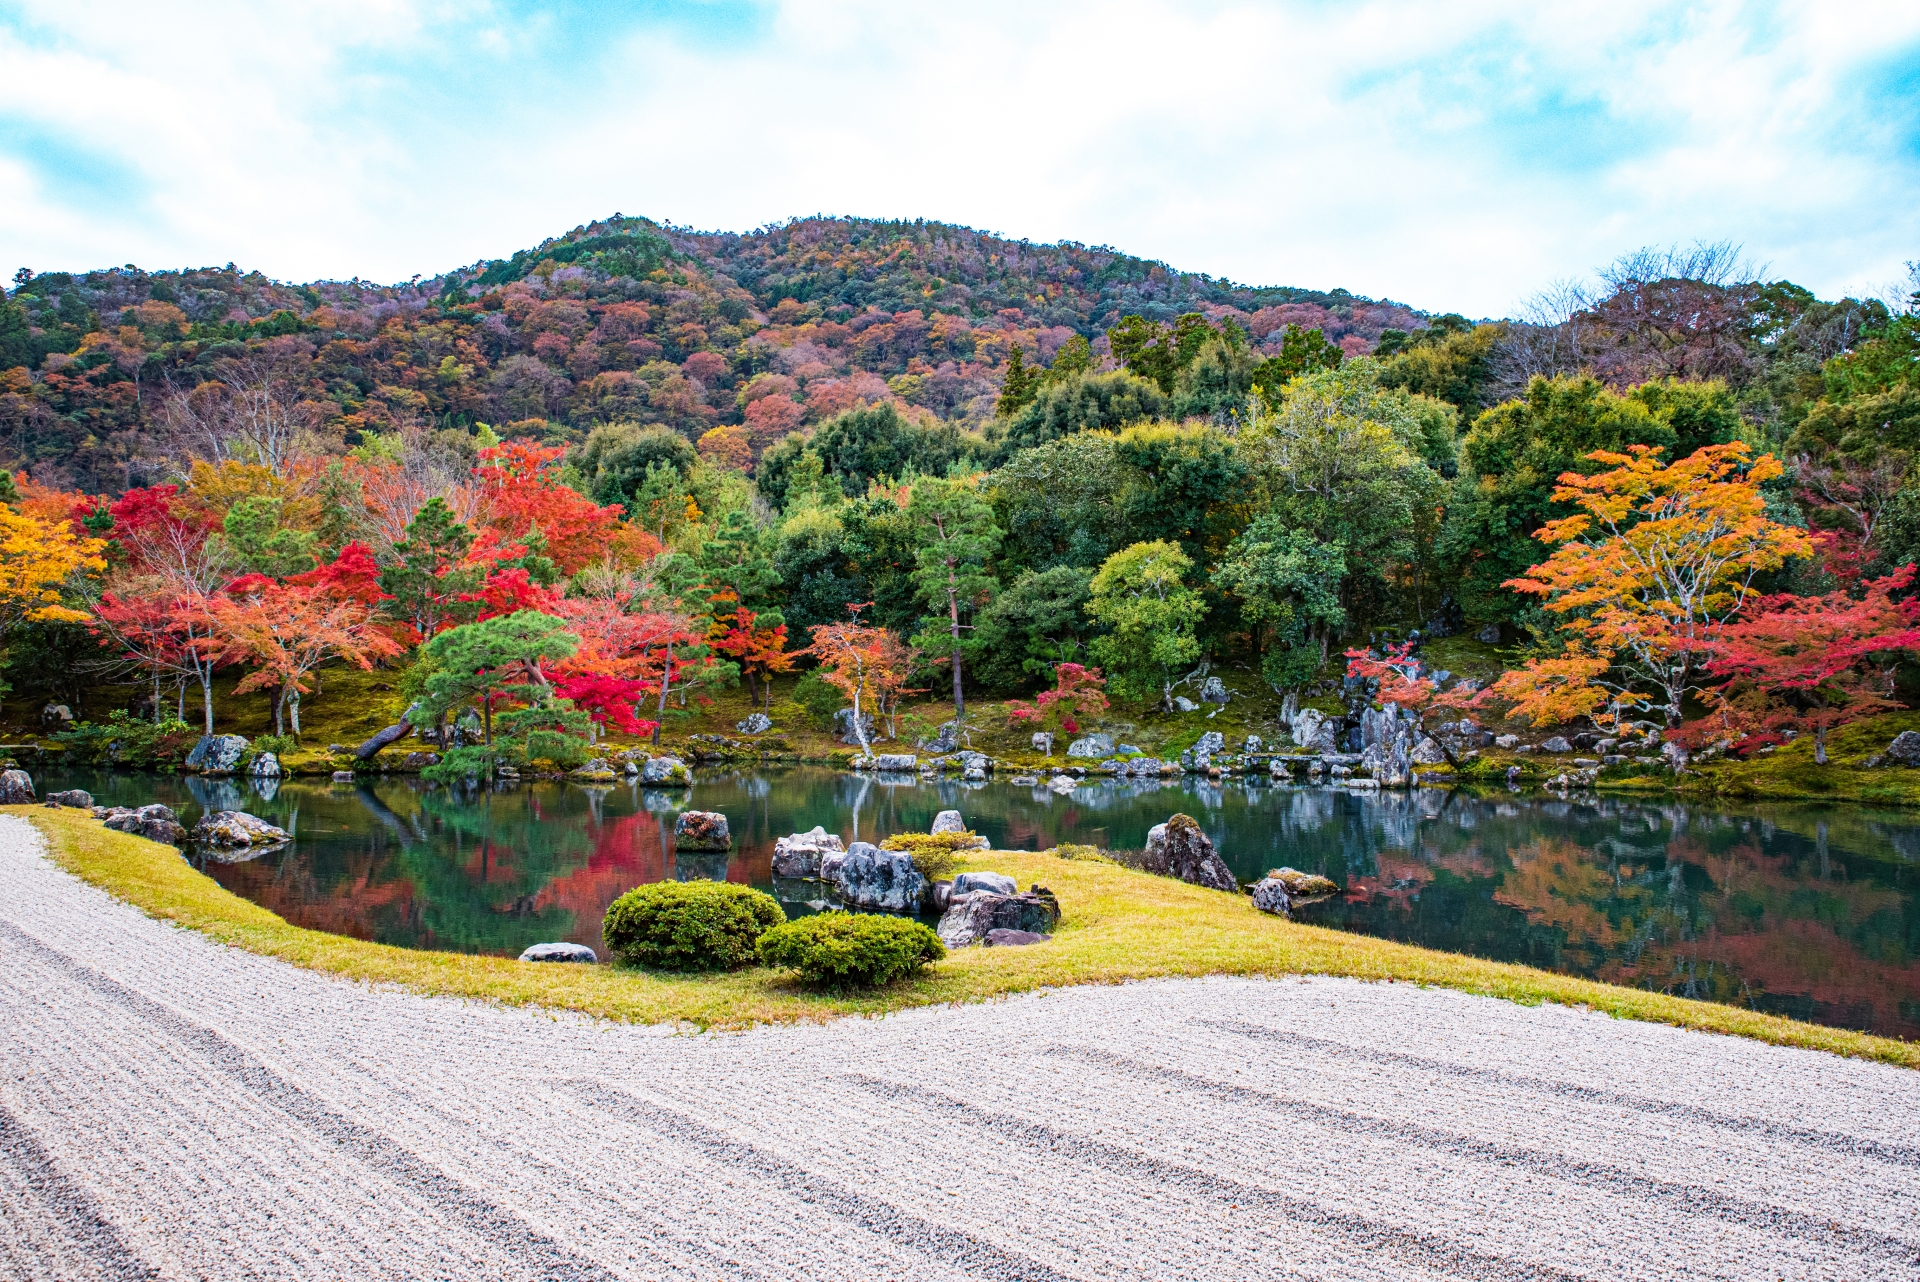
[[1118, 925]]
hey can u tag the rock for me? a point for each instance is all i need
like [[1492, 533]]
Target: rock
[[1002, 938], [943, 740], [155, 823], [949, 821], [843, 725], [559, 953], [1024, 781], [228, 829], [217, 753], [1428, 753], [1279, 769], [1043, 743], [1489, 635], [802, 854], [974, 774], [1513, 776], [1307, 726], [74, 798], [1091, 746], [702, 830], [756, 723], [665, 771], [1211, 742], [939, 897], [881, 879], [1253, 744], [596, 771], [56, 713], [1063, 783], [831, 860], [1303, 885], [1177, 848], [1183, 704], [1270, 896], [1613, 759], [343, 776], [1506, 741], [1556, 744], [16, 788], [267, 766], [969, 918], [994, 882], [391, 735], [1585, 761], [896, 761], [1677, 756], [1905, 748], [1214, 691]]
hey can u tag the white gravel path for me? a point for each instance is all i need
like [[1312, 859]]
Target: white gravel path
[[170, 1108]]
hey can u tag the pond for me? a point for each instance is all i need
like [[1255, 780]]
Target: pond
[[1799, 910]]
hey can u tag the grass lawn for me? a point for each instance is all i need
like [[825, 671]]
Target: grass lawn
[[1118, 925]]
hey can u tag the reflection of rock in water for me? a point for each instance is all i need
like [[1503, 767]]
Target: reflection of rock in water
[[688, 866], [265, 787], [661, 802], [756, 787], [215, 794]]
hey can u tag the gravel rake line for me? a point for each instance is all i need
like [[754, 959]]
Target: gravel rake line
[[86, 1228], [539, 1254], [1422, 1250], [1688, 1198], [1830, 1141], [952, 1247]]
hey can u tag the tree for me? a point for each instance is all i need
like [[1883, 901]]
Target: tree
[[1017, 385], [480, 660], [37, 558], [428, 581], [957, 538], [1288, 583], [869, 666], [1087, 402], [1140, 594], [1077, 696], [525, 494], [285, 631], [1657, 560], [1809, 663], [759, 648], [1035, 623], [1302, 352], [263, 545]]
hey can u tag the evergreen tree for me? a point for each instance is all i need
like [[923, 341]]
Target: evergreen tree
[[1018, 388]]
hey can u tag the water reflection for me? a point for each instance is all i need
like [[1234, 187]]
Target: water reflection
[[1801, 910]]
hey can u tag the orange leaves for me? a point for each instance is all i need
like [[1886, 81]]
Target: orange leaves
[[1658, 555], [1547, 692], [525, 494], [284, 631]]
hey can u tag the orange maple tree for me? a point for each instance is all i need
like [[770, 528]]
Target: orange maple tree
[[284, 631], [523, 493], [870, 666], [1658, 557]]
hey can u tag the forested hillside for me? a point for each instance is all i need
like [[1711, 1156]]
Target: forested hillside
[[952, 461]]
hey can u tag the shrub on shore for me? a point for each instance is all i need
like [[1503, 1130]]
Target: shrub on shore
[[851, 949], [689, 925]]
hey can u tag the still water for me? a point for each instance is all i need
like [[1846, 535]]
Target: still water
[[1807, 911]]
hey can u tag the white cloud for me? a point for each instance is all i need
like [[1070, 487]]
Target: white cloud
[[1456, 157]]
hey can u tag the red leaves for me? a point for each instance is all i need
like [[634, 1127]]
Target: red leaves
[[525, 495], [353, 575], [1077, 692]]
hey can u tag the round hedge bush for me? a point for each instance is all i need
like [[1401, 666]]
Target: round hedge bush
[[851, 949], [689, 925]]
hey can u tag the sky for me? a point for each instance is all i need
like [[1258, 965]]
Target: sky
[[1454, 156]]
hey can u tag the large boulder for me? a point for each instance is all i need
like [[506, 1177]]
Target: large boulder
[[16, 788], [969, 917], [1303, 885], [155, 823], [1905, 748], [665, 772], [701, 830], [1307, 723], [885, 880], [1270, 895], [73, 798], [843, 725], [217, 754], [1092, 745], [559, 953], [949, 821], [267, 766], [756, 723], [801, 854], [1177, 848], [996, 882], [1214, 690], [382, 739], [1211, 742], [235, 829], [943, 741], [1428, 753], [1556, 744], [896, 762]]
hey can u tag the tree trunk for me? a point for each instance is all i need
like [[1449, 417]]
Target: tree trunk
[[953, 613], [1820, 744], [205, 673], [486, 710], [293, 710]]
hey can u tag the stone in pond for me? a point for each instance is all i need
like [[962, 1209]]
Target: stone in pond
[[801, 854], [343, 776], [996, 882], [1905, 748], [219, 753], [1303, 885], [559, 953], [16, 788], [74, 798], [267, 766], [896, 762], [1270, 896], [1177, 848], [665, 770], [1002, 938], [701, 830], [756, 723], [232, 829], [885, 880], [1093, 745], [948, 821], [1063, 784]]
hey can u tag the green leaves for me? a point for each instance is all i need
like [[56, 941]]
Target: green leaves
[[1141, 594]]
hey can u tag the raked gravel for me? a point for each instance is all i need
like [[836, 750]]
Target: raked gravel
[[172, 1108]]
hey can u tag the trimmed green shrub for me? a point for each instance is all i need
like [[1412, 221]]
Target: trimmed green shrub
[[851, 949], [933, 852], [689, 925], [1088, 854]]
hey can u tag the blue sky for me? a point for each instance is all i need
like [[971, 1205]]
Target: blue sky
[[1457, 157]]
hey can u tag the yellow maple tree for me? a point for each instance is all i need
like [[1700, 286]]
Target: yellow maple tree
[[36, 557]]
